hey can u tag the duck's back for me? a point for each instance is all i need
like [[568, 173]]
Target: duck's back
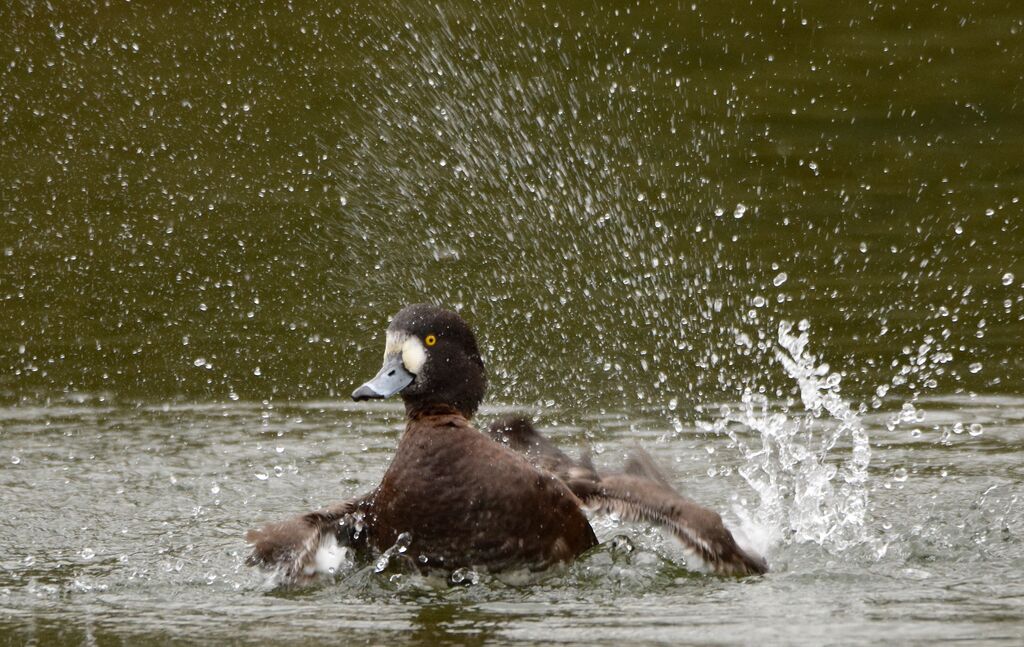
[[466, 500]]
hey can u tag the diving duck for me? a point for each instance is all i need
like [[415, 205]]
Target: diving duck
[[454, 497]]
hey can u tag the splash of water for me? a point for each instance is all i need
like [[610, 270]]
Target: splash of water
[[808, 466]]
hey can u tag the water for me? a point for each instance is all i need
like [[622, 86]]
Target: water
[[125, 522], [778, 245]]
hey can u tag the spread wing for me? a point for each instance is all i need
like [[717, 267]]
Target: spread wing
[[699, 530], [641, 494], [519, 434], [293, 549]]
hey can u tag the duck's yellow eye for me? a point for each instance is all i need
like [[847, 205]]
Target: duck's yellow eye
[[430, 340]]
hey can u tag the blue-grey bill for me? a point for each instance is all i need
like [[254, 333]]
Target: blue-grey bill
[[391, 379]]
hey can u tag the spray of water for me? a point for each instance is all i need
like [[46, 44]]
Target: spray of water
[[808, 464]]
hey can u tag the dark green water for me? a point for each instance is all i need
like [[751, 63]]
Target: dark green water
[[207, 207]]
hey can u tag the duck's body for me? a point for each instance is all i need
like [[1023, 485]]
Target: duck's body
[[466, 500], [454, 497]]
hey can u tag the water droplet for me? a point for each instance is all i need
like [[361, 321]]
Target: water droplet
[[975, 429], [257, 372], [15, 460], [88, 553], [641, 197], [623, 544], [975, 367], [262, 476], [719, 212], [246, 107], [215, 489], [740, 210], [464, 576], [403, 541], [199, 361], [759, 301], [1007, 278], [863, 247], [779, 279], [899, 474]]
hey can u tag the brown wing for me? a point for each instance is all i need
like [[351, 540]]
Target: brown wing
[[519, 434], [289, 547], [640, 498], [642, 494]]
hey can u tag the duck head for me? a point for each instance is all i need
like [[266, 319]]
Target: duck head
[[431, 359]]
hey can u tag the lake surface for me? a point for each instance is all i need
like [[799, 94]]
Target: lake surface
[[778, 245], [125, 524]]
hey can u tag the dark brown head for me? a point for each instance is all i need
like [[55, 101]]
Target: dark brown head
[[432, 360]]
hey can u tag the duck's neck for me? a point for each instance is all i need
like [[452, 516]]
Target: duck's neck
[[419, 410]]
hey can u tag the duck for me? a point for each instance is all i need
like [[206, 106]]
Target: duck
[[454, 497]]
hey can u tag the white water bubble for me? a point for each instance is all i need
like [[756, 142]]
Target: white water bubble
[[15, 460], [199, 361], [899, 474], [975, 429], [403, 541], [759, 301], [975, 367], [261, 476], [641, 197], [1008, 278], [739, 211], [88, 553], [464, 576], [779, 279]]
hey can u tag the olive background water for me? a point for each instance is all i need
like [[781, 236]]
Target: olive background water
[[208, 213]]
